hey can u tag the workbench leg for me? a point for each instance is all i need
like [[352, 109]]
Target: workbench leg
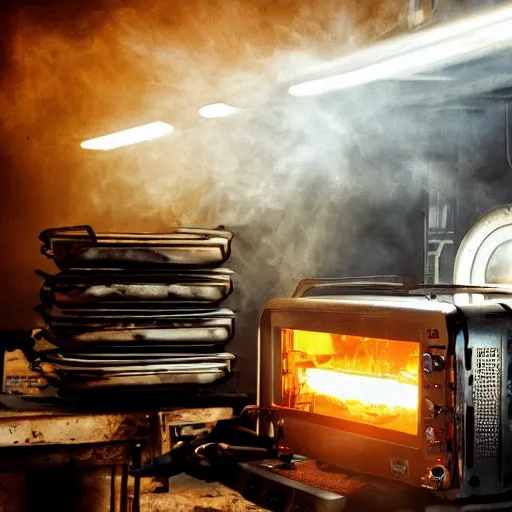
[[137, 462], [114, 498], [124, 488]]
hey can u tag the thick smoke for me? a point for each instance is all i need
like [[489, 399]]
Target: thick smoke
[[294, 180], [74, 74]]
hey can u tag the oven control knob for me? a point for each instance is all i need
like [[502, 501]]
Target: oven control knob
[[438, 362], [438, 478], [432, 437], [432, 363], [432, 410], [427, 363]]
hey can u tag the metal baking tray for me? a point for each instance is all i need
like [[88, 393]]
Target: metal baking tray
[[95, 317], [82, 247], [108, 288], [197, 378], [128, 370], [134, 362], [213, 332], [185, 335]]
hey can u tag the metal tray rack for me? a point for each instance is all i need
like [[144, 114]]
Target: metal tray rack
[[136, 310]]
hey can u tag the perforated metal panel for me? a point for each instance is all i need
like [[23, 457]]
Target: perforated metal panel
[[486, 401]]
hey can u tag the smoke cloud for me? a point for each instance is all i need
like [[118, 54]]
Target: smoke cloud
[[300, 184]]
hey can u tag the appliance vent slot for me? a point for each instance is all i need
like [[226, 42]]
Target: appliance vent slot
[[486, 401]]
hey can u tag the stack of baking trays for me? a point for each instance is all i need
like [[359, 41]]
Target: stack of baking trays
[[134, 310]]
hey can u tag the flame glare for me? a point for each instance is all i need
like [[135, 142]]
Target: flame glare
[[364, 380], [361, 388]]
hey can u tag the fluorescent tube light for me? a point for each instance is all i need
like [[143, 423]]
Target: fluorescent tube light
[[217, 110], [405, 56], [127, 137]]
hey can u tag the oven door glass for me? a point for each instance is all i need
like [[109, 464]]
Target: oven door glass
[[358, 379]]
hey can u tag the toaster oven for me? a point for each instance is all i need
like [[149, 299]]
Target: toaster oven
[[392, 379]]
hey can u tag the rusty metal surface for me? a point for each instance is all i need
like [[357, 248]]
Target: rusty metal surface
[[26, 429], [75, 461], [190, 416]]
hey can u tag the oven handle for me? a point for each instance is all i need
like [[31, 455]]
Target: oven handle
[[377, 284]]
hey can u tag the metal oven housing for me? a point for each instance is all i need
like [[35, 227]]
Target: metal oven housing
[[463, 440]]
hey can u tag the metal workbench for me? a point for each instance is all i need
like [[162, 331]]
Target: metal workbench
[[79, 462]]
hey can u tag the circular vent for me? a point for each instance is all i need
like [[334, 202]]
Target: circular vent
[[485, 254]]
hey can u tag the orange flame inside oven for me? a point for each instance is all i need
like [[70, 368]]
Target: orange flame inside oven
[[360, 379]]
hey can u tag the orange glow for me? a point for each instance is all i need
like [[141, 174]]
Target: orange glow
[[364, 380], [374, 390]]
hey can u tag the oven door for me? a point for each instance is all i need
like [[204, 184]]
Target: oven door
[[345, 382]]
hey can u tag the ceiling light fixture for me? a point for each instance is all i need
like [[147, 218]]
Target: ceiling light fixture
[[217, 110], [128, 137], [406, 56]]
